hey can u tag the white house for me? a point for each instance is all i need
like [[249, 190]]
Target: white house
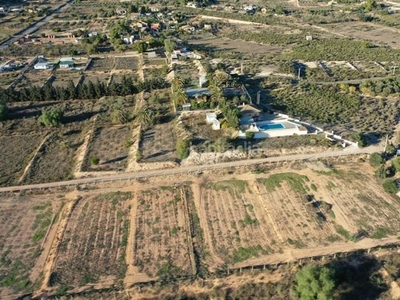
[[211, 118], [42, 65]]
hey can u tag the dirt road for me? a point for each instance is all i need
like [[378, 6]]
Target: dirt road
[[292, 255], [199, 168]]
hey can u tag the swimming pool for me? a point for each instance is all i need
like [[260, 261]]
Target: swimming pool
[[271, 126]]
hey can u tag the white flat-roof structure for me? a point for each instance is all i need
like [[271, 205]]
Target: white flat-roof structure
[[211, 118]]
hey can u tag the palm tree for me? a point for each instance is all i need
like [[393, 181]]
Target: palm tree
[[179, 95], [145, 117]]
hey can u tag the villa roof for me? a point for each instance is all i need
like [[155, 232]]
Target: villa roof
[[248, 109]]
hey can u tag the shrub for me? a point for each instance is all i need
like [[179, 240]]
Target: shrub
[[182, 149], [390, 187], [314, 282], [396, 164], [94, 160], [375, 159], [51, 117], [249, 135]]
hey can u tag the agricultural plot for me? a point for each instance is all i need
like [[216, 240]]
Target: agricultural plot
[[162, 240], [94, 243], [110, 147], [361, 203], [25, 222], [188, 73], [96, 77], [159, 143], [126, 63], [153, 73], [101, 64], [16, 152], [306, 209], [64, 77], [7, 79], [58, 148], [33, 79], [254, 218]]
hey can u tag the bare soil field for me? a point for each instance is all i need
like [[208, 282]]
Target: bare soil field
[[104, 78], [110, 145], [269, 214], [16, 152], [92, 249], [101, 64], [367, 31], [228, 45], [25, 221], [162, 238], [64, 77], [34, 79], [126, 63], [159, 143], [57, 155]]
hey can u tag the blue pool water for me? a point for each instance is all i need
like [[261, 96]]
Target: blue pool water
[[271, 126]]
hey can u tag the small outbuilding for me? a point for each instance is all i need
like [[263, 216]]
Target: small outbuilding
[[66, 63]]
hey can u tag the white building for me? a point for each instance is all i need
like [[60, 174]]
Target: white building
[[211, 118], [44, 65]]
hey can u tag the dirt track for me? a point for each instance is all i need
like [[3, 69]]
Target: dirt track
[[188, 169]]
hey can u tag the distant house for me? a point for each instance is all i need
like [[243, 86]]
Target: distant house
[[155, 26], [211, 118], [66, 63], [42, 64], [249, 113], [129, 39]]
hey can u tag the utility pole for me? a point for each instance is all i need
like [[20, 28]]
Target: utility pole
[[394, 69], [298, 74]]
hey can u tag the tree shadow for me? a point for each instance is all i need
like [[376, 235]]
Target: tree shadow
[[114, 160], [79, 117], [358, 277]]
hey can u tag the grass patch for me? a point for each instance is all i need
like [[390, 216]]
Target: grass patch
[[234, 186], [296, 181], [381, 233], [344, 233], [243, 254]]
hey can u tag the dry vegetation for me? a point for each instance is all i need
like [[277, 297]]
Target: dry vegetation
[[94, 242], [16, 153], [60, 148], [162, 241], [110, 145], [25, 221], [159, 143]]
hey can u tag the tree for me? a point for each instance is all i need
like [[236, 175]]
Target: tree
[[119, 114], [145, 117], [249, 135], [390, 187], [314, 282], [141, 47], [169, 45], [3, 110], [182, 148], [396, 164], [51, 117], [179, 95], [376, 159]]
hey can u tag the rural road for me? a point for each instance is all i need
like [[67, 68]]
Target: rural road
[[197, 168], [33, 27]]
